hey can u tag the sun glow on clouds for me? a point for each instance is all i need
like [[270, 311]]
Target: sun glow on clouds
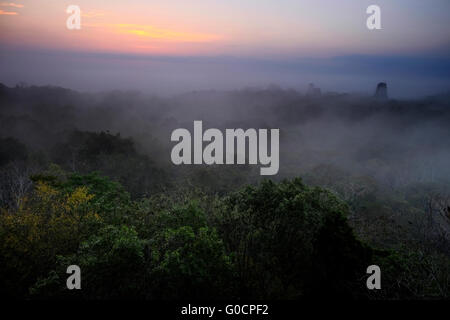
[[9, 4], [237, 28], [92, 14], [8, 13], [152, 32], [138, 38]]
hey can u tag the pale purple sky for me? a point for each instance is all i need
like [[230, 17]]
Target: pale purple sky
[[205, 44]]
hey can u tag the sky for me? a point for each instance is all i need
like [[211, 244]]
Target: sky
[[267, 39]]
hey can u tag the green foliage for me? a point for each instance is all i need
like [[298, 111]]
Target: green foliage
[[278, 232], [49, 223], [140, 227], [111, 155], [339, 260], [88, 146], [190, 262], [272, 241], [413, 275], [109, 197], [112, 264]]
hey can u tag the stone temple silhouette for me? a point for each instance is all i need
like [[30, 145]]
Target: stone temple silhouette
[[381, 91], [313, 91]]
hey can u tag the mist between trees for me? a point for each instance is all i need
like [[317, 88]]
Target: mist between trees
[[87, 179]]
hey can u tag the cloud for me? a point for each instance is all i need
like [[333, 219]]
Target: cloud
[[92, 14], [11, 4], [7, 13], [151, 32]]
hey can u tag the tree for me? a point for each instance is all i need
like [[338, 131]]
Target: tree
[[291, 241]]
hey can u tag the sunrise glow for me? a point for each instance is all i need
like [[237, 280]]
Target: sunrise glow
[[281, 28]]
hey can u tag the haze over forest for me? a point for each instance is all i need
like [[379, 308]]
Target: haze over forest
[[408, 76], [386, 159], [86, 176]]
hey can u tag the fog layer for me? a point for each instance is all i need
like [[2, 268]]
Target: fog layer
[[409, 77]]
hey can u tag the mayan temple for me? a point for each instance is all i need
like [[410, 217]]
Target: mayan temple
[[381, 91], [313, 91]]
